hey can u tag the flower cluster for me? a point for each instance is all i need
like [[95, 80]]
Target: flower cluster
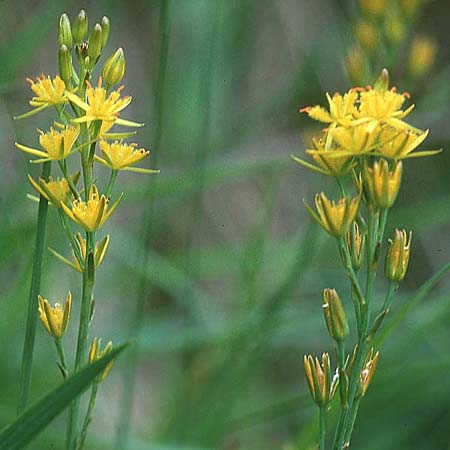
[[81, 137], [363, 145]]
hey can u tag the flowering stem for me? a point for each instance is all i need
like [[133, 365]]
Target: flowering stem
[[30, 333], [322, 426], [67, 229], [85, 313], [352, 420], [62, 357], [63, 167], [112, 180], [88, 416]]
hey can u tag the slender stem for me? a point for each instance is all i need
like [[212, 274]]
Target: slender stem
[[352, 420], [112, 180], [83, 330], [63, 166], [30, 333], [322, 426], [88, 416], [343, 389], [62, 357], [74, 244]]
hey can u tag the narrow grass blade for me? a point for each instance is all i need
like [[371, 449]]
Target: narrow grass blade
[[20, 432]]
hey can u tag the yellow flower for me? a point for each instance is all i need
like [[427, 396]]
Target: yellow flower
[[422, 55], [383, 184], [48, 92], [356, 140], [55, 319], [328, 159], [57, 145], [335, 217], [91, 215], [375, 8], [366, 34], [335, 317], [95, 353], [342, 109], [383, 105], [397, 257], [119, 156], [99, 253], [54, 191], [400, 144], [320, 382], [101, 106]]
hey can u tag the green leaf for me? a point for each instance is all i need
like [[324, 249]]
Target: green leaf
[[20, 432]]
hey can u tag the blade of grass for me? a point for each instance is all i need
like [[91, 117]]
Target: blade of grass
[[30, 333], [20, 432]]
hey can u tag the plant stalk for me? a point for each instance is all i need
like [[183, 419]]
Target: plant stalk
[[30, 333]]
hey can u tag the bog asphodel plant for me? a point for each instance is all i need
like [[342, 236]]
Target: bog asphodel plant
[[78, 144], [365, 144]]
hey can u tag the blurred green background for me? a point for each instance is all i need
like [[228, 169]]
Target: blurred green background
[[215, 268]]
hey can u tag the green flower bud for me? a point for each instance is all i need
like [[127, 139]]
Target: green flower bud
[[64, 31], [114, 68], [95, 44], [397, 257], [335, 317], [80, 27], [105, 31], [382, 82], [65, 64]]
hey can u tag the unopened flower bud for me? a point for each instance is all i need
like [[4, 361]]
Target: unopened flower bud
[[355, 243], [95, 44], [335, 317], [106, 25], [320, 382], [422, 56], [382, 82], [367, 373], [367, 35], [114, 68], [397, 256], [80, 27], [384, 184], [65, 64], [64, 31], [373, 8]]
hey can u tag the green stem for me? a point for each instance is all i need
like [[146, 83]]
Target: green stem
[[88, 416], [352, 420], [63, 166], [322, 426], [30, 333], [62, 357], [74, 244], [83, 330], [112, 180]]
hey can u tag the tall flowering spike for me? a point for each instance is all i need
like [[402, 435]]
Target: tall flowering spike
[[399, 144], [120, 156], [55, 319], [397, 257], [57, 145], [355, 241], [91, 215], [335, 316], [99, 253], [96, 353], [335, 217], [318, 376], [367, 373], [383, 184], [101, 106], [54, 190]]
